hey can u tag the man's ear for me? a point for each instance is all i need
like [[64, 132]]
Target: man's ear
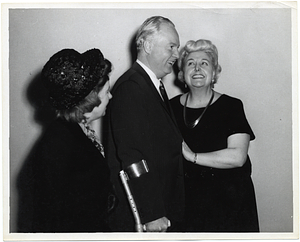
[[147, 46], [180, 76]]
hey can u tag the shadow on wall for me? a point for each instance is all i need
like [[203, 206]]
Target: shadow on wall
[[37, 96], [43, 115], [132, 48]]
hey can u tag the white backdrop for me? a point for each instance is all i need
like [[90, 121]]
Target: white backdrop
[[255, 52]]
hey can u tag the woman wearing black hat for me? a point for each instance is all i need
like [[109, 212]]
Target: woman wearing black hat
[[72, 189]]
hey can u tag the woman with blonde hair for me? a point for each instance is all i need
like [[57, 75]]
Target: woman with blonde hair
[[219, 191]]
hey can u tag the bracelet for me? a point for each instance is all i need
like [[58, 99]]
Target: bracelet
[[195, 158]]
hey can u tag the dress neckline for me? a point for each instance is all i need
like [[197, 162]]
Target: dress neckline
[[201, 107]]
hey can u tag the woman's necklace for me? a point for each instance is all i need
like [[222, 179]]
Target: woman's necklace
[[193, 124], [91, 134]]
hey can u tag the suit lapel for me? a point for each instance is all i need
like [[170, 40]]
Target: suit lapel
[[149, 85], [148, 81]]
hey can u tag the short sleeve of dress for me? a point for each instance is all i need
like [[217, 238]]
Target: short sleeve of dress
[[238, 121]]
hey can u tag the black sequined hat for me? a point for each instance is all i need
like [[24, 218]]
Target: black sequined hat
[[70, 76]]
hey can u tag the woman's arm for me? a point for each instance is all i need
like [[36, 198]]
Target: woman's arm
[[233, 156]]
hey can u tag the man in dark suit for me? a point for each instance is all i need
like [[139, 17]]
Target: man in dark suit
[[141, 126]]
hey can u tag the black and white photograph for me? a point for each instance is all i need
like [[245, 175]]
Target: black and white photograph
[[150, 121]]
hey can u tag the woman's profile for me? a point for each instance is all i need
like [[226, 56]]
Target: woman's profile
[[71, 180]]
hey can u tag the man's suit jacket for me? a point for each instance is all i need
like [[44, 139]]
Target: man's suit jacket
[[140, 127]]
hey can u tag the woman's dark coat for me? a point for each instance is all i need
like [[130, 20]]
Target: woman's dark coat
[[71, 182]]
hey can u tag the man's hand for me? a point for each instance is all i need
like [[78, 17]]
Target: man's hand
[[159, 225]]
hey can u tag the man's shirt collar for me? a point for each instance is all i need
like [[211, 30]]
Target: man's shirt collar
[[150, 73]]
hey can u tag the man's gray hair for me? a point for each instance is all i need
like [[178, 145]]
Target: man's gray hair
[[149, 28]]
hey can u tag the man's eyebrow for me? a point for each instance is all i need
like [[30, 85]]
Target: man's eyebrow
[[173, 43]]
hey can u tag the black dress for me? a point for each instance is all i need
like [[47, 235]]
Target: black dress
[[217, 200]]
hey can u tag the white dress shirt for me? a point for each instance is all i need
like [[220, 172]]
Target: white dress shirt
[[151, 74]]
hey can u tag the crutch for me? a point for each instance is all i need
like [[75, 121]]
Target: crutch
[[135, 170]]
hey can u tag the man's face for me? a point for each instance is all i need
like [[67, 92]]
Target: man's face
[[164, 51]]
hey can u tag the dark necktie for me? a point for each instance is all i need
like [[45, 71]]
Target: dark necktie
[[164, 95]]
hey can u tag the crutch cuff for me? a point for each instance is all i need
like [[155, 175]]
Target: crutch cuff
[[137, 169]]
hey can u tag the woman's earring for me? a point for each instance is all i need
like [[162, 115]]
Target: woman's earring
[[185, 86], [84, 122]]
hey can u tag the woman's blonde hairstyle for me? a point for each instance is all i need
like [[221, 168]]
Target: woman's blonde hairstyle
[[200, 45]]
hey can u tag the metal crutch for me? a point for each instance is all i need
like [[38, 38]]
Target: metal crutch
[[135, 170], [124, 178]]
